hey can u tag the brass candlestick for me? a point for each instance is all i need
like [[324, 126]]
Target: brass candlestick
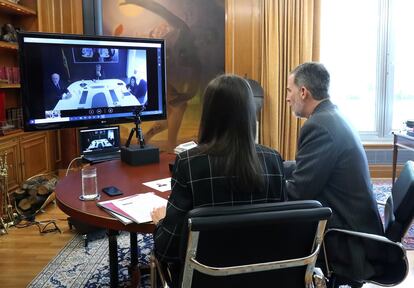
[[6, 207]]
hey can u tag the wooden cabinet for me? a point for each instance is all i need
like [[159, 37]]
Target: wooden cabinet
[[28, 154], [34, 154]]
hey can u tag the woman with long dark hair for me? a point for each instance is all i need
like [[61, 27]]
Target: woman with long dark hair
[[227, 168], [138, 90]]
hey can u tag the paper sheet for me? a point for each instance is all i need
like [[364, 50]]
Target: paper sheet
[[136, 208], [140, 207], [161, 185]]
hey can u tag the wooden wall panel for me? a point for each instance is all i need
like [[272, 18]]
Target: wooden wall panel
[[243, 37], [60, 16]]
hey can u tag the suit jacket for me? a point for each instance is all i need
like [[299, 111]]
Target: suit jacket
[[331, 167], [96, 77], [55, 94], [196, 183]]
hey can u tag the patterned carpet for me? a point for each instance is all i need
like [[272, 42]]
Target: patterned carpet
[[77, 266]]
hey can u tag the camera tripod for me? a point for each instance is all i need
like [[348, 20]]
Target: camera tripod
[[137, 129]]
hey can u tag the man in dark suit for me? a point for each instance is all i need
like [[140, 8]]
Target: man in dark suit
[[331, 167], [99, 73], [57, 91]]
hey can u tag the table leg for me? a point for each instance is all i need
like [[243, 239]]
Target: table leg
[[134, 248], [113, 257], [394, 160], [134, 269]]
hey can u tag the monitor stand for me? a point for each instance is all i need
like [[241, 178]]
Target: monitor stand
[[139, 154]]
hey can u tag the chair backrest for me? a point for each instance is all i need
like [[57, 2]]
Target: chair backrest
[[261, 245], [99, 100], [141, 90], [399, 209], [258, 93]]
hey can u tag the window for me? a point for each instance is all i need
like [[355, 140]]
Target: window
[[366, 47]]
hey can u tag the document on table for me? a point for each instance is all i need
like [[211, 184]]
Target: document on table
[[121, 218], [161, 185], [136, 208]]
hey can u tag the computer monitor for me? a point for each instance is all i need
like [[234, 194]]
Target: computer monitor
[[77, 80]]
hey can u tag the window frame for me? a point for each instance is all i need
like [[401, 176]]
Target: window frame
[[384, 79]]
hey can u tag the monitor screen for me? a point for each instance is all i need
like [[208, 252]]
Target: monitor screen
[[99, 140], [76, 80]]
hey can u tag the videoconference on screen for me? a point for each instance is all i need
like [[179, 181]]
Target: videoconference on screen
[[98, 139], [74, 80]]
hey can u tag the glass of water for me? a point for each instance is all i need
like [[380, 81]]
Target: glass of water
[[89, 183]]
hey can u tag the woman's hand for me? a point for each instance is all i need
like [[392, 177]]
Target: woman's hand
[[157, 214]]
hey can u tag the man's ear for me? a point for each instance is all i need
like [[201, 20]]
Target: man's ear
[[304, 93]]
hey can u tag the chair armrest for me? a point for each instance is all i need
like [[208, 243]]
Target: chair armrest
[[365, 235], [394, 265]]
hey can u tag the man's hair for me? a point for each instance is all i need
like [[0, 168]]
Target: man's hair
[[228, 129], [314, 77]]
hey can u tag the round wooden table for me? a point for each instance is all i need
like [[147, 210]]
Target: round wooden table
[[129, 180]]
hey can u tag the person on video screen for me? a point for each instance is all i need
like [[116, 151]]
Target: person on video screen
[[138, 90], [107, 54], [57, 91], [99, 73]]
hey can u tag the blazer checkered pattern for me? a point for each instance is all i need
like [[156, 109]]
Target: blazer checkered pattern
[[196, 183]]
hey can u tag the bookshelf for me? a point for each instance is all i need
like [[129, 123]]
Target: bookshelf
[[24, 16], [5, 85], [27, 153], [7, 7], [8, 45]]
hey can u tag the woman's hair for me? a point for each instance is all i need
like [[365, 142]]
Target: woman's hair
[[228, 129], [135, 80]]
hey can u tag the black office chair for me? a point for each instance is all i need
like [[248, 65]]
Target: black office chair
[[261, 245], [391, 265], [399, 208], [258, 94], [99, 100], [141, 91]]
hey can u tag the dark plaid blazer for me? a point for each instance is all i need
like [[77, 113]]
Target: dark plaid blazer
[[197, 183]]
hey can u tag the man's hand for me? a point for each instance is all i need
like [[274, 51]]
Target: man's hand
[[66, 95]]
